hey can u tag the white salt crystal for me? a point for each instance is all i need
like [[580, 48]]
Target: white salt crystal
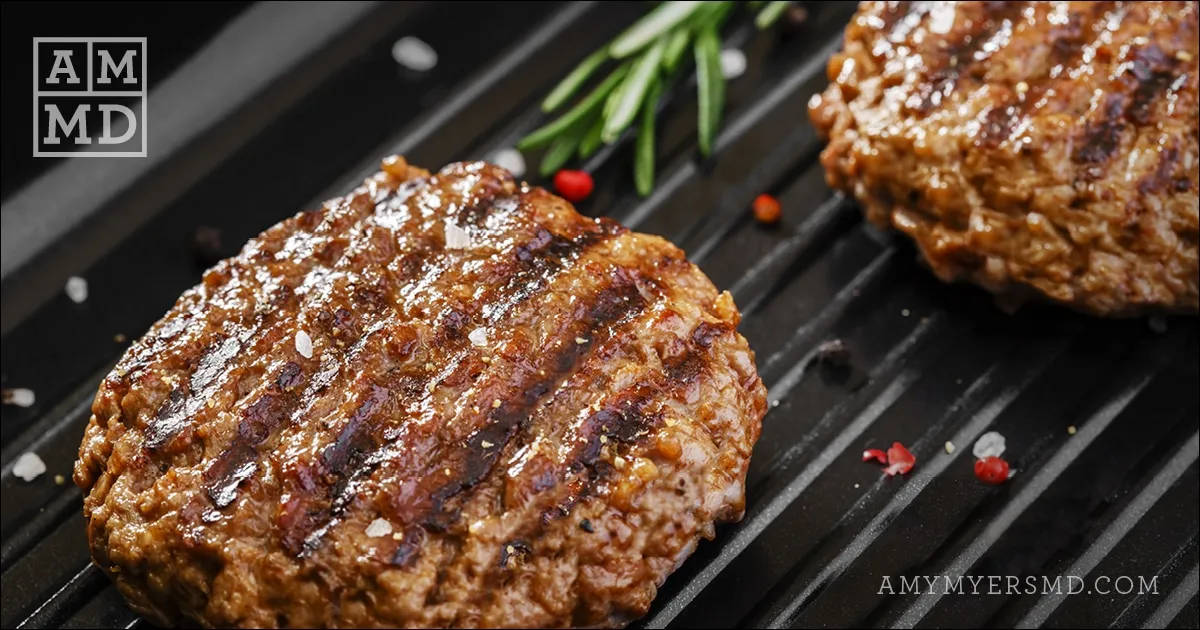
[[21, 397], [414, 54], [510, 160], [990, 444], [29, 466], [733, 63], [304, 344], [77, 289], [378, 528], [456, 237], [478, 337]]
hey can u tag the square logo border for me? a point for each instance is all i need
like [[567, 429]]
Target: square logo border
[[144, 94]]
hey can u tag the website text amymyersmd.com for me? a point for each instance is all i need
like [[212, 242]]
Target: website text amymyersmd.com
[[1015, 585]]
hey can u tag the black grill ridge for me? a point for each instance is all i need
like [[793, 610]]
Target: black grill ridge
[[930, 363]]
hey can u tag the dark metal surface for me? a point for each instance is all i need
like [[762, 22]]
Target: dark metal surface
[[930, 363]]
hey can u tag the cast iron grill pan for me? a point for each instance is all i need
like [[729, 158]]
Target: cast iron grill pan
[[929, 363]]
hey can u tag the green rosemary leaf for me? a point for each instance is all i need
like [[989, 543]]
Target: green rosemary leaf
[[721, 13], [560, 152], [545, 134], [568, 86], [625, 109], [591, 140], [659, 21], [676, 46], [710, 86], [643, 158], [770, 14], [713, 13]]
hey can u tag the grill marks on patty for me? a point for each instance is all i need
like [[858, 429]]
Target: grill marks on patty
[[359, 480], [223, 353], [963, 51], [319, 492], [976, 43], [435, 489], [259, 422], [620, 420]]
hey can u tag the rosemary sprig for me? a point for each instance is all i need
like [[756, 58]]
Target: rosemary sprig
[[627, 102], [770, 14], [581, 111], [710, 85], [648, 56], [643, 158]]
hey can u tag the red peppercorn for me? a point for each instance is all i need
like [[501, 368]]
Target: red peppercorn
[[900, 460], [876, 454], [991, 470], [574, 186], [766, 209]]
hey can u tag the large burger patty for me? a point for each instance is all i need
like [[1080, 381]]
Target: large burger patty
[[441, 400], [1036, 148]]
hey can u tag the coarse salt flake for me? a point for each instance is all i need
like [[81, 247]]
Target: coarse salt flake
[[29, 466], [510, 160], [733, 63], [456, 237], [990, 444], [304, 344], [77, 289], [414, 54], [20, 396], [379, 527], [478, 337], [949, 447]]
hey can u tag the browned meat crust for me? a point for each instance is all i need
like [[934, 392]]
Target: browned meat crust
[[443, 400], [1036, 148]]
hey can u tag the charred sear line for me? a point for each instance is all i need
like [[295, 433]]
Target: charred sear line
[[218, 358], [1081, 32], [183, 403], [1152, 72], [318, 492], [1102, 136], [536, 264], [958, 58], [408, 547], [997, 125], [259, 423], [1161, 177], [628, 417], [168, 420], [359, 448], [475, 460], [1138, 90]]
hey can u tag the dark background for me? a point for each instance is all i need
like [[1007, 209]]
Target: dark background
[[929, 362], [173, 30]]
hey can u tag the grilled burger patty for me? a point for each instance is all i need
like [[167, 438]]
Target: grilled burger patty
[[441, 400], [1036, 148]]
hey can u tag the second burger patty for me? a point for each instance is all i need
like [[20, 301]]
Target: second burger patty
[[443, 400], [1036, 148]]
